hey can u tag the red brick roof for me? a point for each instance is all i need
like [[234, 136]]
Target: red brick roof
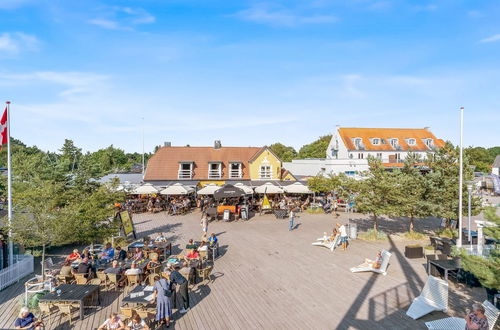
[[164, 164], [366, 134]]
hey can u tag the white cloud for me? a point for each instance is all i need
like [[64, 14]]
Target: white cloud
[[493, 38], [17, 42], [122, 18], [264, 14]]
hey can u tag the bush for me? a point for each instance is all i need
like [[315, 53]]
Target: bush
[[316, 210], [372, 235], [414, 236], [447, 233]]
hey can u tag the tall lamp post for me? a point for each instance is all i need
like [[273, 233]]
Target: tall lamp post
[[470, 186], [460, 178]]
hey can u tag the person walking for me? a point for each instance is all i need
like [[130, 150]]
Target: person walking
[[292, 218], [161, 294], [204, 223], [343, 236], [180, 280]]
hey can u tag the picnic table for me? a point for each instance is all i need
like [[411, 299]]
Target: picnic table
[[446, 265], [139, 296], [127, 264], [72, 293], [160, 245]]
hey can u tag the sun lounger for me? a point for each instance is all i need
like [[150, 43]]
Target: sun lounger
[[456, 323], [329, 244], [386, 255], [434, 297]]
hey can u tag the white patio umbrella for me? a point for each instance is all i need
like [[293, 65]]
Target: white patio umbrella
[[297, 188], [268, 188], [146, 188], [248, 190], [208, 189], [177, 189]]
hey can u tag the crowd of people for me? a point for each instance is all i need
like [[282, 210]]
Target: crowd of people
[[157, 203]]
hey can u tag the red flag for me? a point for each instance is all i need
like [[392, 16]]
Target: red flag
[[3, 128]]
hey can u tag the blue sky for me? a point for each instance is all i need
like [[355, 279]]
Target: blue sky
[[247, 72]]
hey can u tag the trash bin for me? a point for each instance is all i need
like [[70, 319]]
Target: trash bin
[[244, 212], [227, 215], [353, 231]]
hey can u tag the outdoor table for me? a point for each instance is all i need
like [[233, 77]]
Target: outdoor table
[[446, 265], [72, 293], [161, 245], [128, 264], [135, 299]]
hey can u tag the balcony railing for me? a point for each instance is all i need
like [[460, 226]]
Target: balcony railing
[[185, 174], [235, 174], [214, 174]]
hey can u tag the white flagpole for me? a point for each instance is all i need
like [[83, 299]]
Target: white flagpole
[[461, 178], [143, 169], [9, 188]]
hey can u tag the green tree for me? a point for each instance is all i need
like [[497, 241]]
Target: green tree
[[322, 183], [377, 192], [479, 158], [316, 149], [286, 154], [486, 269]]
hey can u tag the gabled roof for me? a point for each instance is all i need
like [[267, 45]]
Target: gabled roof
[[261, 151], [496, 163], [164, 164], [402, 134]]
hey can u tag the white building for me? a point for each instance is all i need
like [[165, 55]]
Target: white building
[[350, 148], [495, 169]]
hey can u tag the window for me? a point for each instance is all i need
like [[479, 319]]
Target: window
[[214, 170], [358, 143], [429, 143], [394, 142], [398, 157], [265, 172], [375, 141], [185, 171], [350, 156], [335, 154], [379, 155], [360, 155], [411, 142], [235, 171]]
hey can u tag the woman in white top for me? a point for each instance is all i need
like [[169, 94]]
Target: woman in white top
[[113, 323], [137, 323]]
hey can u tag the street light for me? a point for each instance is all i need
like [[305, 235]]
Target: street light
[[470, 186]]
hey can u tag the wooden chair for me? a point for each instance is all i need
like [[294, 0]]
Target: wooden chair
[[81, 279], [151, 279], [133, 280], [151, 255], [46, 309], [64, 279], [147, 315], [68, 309], [155, 270], [104, 279], [205, 273], [113, 279], [127, 312]]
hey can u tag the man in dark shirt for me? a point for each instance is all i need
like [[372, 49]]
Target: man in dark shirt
[[121, 254], [115, 269], [84, 267], [180, 280]]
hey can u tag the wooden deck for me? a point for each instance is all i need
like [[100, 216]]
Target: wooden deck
[[270, 278]]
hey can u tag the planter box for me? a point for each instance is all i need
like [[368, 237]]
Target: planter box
[[414, 251]]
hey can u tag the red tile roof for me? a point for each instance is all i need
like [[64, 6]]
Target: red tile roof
[[366, 134], [164, 164]]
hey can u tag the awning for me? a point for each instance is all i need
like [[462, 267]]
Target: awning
[[177, 189], [229, 191], [248, 190], [268, 188], [208, 189], [297, 188], [146, 188]]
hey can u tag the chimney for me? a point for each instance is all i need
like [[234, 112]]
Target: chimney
[[217, 144], [167, 144], [427, 128]]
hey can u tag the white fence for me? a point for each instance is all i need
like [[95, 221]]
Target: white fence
[[23, 265]]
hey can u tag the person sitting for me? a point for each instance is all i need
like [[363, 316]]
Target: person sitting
[[84, 267], [108, 253], [117, 270], [375, 264], [138, 254], [190, 245], [74, 256], [162, 238], [193, 254], [66, 269], [113, 323], [121, 254], [212, 240], [26, 320], [133, 270], [153, 264], [136, 323], [86, 254], [476, 320]]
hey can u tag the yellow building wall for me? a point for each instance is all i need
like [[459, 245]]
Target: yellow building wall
[[265, 158], [289, 177]]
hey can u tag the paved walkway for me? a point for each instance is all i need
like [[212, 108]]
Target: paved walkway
[[270, 278]]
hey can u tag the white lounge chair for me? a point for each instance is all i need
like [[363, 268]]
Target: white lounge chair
[[452, 323], [434, 297], [386, 255], [456, 323], [329, 244]]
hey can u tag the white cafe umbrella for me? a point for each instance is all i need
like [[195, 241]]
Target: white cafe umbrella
[[208, 189], [177, 189], [297, 188], [268, 188], [246, 189], [147, 188]]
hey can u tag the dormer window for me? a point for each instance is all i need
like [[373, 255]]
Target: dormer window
[[393, 142], [375, 141], [358, 143], [411, 142], [429, 143], [214, 170]]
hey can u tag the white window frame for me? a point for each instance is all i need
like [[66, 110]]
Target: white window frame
[[215, 173], [394, 142], [185, 174], [376, 141], [266, 174], [360, 155], [412, 142], [429, 143], [239, 175], [379, 155], [358, 142]]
